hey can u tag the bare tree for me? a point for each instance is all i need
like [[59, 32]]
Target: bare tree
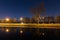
[[37, 11]]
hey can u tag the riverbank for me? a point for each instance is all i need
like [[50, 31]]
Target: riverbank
[[30, 25]]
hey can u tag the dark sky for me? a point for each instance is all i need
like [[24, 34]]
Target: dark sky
[[21, 8]]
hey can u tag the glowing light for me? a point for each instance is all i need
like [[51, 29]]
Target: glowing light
[[21, 18], [7, 30], [21, 31], [7, 19]]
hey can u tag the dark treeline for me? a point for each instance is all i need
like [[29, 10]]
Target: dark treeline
[[33, 20]]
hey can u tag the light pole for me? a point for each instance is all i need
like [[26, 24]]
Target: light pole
[[7, 19], [21, 19]]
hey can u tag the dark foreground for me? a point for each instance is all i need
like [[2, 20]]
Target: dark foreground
[[29, 34]]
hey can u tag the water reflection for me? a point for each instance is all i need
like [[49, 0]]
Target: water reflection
[[15, 33]]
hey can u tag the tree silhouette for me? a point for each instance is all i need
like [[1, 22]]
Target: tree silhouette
[[37, 11]]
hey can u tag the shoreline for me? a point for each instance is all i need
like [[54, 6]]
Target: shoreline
[[30, 25]]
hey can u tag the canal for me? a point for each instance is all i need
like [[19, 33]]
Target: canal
[[17, 33]]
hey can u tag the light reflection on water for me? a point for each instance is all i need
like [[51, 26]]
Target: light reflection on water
[[14, 33]]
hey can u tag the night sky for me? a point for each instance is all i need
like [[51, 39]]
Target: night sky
[[21, 8]]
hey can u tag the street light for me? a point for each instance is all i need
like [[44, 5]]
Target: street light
[[21, 19], [7, 19]]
